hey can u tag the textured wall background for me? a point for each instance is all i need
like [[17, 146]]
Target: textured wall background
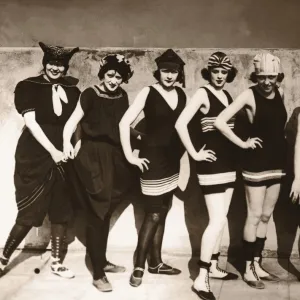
[[149, 24], [188, 216]]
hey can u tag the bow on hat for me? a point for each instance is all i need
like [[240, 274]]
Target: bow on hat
[[266, 64], [219, 59], [57, 53]]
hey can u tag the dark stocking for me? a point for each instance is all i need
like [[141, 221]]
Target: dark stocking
[[145, 239], [58, 237], [96, 238], [16, 236]]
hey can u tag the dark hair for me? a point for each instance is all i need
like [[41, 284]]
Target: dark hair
[[253, 77], [58, 63], [120, 70], [205, 72], [180, 77]]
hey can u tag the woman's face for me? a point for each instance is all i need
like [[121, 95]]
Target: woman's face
[[54, 70], [168, 77], [112, 80], [266, 83], [218, 77]]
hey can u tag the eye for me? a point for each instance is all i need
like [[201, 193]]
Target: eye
[[118, 77], [224, 72]]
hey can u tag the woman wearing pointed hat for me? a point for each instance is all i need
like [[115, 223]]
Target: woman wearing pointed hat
[[101, 165], [264, 157], [215, 167], [159, 160], [45, 102]]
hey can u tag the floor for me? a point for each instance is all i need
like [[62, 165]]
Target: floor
[[21, 280]]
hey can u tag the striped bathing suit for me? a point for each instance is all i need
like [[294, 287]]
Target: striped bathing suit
[[266, 164], [217, 176]]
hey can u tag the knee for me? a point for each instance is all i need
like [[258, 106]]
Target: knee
[[154, 217], [254, 218], [265, 218]]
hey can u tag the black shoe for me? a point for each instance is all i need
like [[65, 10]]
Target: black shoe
[[136, 281], [204, 295], [164, 269]]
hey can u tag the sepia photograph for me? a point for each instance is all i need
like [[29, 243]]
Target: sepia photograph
[[149, 149]]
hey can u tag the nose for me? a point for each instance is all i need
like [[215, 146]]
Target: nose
[[267, 81], [54, 67]]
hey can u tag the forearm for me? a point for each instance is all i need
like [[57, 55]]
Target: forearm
[[223, 127], [125, 141], [186, 139], [40, 136], [297, 158], [69, 129], [77, 134]]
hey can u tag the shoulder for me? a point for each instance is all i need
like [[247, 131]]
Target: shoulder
[[29, 82], [201, 93], [280, 90]]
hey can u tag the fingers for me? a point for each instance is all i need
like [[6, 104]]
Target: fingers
[[203, 147]]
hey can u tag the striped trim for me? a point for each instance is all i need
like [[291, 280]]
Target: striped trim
[[262, 176], [207, 123], [160, 186], [220, 178], [29, 200]]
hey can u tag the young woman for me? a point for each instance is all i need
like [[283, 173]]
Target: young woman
[[161, 151], [215, 167], [45, 102], [295, 190], [101, 164], [264, 157]]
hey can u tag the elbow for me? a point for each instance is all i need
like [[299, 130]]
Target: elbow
[[178, 125]]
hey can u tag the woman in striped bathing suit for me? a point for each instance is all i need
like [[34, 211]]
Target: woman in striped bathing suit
[[264, 157], [216, 173], [161, 151]]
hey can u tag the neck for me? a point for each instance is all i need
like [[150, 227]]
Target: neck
[[50, 79], [106, 90], [166, 88], [216, 88]]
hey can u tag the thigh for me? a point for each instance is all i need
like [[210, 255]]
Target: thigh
[[255, 196], [271, 198], [216, 206]]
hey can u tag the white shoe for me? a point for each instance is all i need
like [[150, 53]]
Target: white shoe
[[58, 269]]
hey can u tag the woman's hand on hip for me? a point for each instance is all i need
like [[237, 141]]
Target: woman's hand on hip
[[206, 155], [142, 163]]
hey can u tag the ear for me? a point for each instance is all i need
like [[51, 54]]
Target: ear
[[43, 46]]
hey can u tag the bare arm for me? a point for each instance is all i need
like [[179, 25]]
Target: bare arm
[[70, 128], [295, 190], [40, 136], [124, 126], [243, 100], [194, 104]]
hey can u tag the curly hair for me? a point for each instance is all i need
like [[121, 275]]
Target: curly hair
[[206, 74], [253, 77]]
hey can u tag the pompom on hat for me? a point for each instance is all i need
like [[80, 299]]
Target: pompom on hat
[[116, 62], [57, 54], [266, 64]]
